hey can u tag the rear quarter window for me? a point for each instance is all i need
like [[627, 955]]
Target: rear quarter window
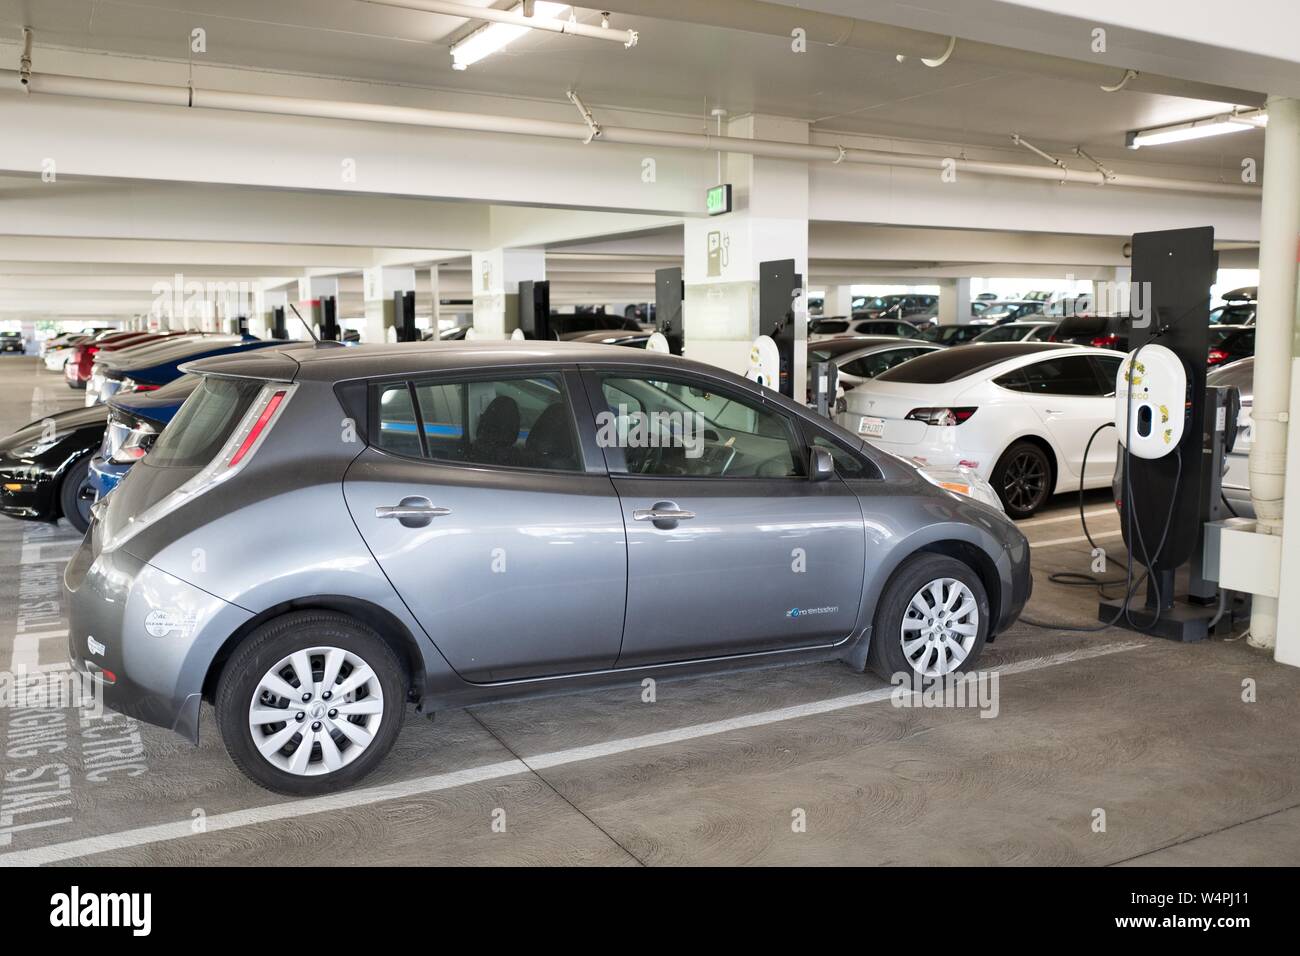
[[204, 422]]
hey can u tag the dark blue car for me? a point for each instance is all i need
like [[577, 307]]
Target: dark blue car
[[160, 363], [134, 421]]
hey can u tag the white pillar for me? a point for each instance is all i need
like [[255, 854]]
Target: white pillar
[[379, 285], [838, 301], [435, 296], [954, 301], [311, 289], [722, 253], [495, 275], [1275, 328]]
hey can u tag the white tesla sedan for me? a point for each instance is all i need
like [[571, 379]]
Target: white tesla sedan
[[1018, 415]]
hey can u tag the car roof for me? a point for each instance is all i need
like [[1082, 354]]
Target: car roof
[[854, 343], [334, 363], [962, 361]]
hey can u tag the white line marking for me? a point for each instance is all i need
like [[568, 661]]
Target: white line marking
[[26, 654], [180, 829], [1075, 540], [1099, 513], [32, 552]]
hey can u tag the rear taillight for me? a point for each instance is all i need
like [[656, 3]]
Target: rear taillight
[[1216, 356], [258, 427], [134, 445], [940, 416], [1108, 341], [233, 457]]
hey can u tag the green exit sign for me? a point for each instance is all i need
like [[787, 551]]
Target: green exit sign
[[718, 199]]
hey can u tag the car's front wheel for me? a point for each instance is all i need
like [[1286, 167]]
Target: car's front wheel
[[311, 702], [1023, 479], [931, 620], [76, 494]]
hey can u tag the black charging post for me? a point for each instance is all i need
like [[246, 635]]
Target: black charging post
[[1163, 501], [670, 291], [779, 288]]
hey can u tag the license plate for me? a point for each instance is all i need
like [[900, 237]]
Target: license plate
[[871, 427]]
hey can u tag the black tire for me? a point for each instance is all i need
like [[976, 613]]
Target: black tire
[[277, 639], [72, 500], [1023, 479], [886, 655]]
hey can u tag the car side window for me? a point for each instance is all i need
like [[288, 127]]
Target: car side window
[[1069, 375], [869, 366], [670, 427], [1107, 372], [503, 422]]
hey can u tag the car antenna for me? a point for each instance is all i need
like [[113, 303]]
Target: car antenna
[[304, 322]]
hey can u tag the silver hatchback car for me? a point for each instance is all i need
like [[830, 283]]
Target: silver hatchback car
[[322, 536]]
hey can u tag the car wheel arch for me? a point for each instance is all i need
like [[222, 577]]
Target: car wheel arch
[[379, 620], [964, 542], [1033, 438]]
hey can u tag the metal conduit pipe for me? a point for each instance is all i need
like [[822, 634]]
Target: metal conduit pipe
[[773, 19], [158, 94], [1274, 331], [572, 27]]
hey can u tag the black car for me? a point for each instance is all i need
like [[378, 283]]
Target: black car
[[861, 324], [12, 342], [45, 466], [954, 334], [1099, 331], [1238, 344]]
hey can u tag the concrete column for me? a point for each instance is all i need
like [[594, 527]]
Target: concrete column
[[435, 295], [379, 285], [495, 275], [839, 300], [722, 253], [1274, 356], [311, 289], [954, 301]]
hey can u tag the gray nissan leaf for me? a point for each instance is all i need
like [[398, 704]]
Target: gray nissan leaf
[[322, 536]]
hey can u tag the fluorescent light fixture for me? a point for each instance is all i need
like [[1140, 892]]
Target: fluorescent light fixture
[[1197, 129], [495, 37]]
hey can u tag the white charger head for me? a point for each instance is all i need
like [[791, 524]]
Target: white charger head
[[1158, 383]]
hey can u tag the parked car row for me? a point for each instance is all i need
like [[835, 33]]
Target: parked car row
[[411, 558]]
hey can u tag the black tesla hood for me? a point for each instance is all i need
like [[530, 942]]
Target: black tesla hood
[[64, 422]]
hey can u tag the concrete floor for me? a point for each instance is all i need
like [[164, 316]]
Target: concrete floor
[[1154, 734]]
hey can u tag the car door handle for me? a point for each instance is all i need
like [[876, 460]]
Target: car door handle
[[410, 511], [661, 514]]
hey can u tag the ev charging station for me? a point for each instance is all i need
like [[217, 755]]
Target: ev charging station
[[1173, 434], [780, 293], [404, 316], [670, 292], [534, 305]]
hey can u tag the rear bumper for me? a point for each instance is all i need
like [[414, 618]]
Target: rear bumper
[[104, 476], [154, 633]]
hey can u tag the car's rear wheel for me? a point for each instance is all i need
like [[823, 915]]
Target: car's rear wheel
[[931, 620], [1023, 479], [311, 702], [76, 494]]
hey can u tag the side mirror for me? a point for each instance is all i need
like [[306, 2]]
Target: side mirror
[[820, 465]]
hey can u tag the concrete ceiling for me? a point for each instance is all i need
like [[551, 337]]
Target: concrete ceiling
[[676, 68]]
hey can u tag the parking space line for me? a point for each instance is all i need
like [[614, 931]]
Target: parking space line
[[1074, 540], [180, 829], [1034, 522], [26, 651]]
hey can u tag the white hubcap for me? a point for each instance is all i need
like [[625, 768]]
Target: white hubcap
[[939, 627], [316, 711]]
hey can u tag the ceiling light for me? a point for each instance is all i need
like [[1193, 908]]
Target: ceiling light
[[495, 37], [1197, 129]]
